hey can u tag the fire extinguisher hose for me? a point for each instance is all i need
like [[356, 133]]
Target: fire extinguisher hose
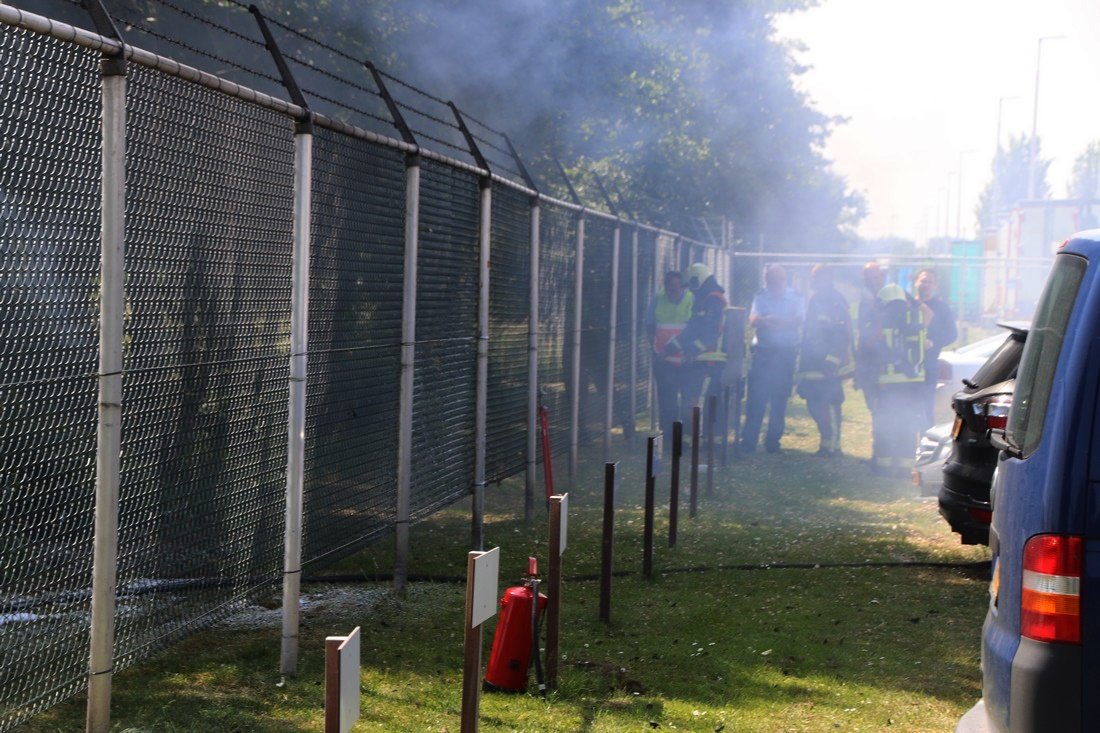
[[536, 657]]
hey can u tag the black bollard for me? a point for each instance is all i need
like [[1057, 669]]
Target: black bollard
[[696, 417], [674, 486], [610, 481]]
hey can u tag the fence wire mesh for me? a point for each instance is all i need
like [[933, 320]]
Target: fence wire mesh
[[208, 289], [446, 338], [210, 192], [595, 326], [557, 259], [622, 414], [509, 305], [49, 259], [647, 288], [356, 263]]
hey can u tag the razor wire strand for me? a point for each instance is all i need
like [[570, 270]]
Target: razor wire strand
[[209, 203], [504, 162], [49, 263], [509, 307], [446, 338], [439, 124], [249, 63], [313, 92], [356, 281]]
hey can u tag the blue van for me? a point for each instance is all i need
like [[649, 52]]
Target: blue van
[[1041, 638]]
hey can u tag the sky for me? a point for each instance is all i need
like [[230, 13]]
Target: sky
[[920, 83]]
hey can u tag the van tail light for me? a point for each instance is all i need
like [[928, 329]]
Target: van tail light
[[1050, 606], [992, 411]]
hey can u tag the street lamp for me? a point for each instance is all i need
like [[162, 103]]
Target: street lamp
[[1033, 147]]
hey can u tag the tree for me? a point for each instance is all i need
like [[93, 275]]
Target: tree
[[1008, 183], [1085, 180], [688, 106]]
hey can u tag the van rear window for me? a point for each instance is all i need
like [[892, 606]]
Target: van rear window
[[1044, 343]]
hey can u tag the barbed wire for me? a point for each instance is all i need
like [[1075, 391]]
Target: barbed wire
[[195, 50]]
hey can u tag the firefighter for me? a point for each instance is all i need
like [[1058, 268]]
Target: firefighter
[[869, 334], [702, 283], [825, 358], [700, 343], [898, 409], [940, 330], [668, 313]]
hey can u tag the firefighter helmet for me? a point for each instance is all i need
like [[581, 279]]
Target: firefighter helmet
[[891, 292], [696, 275]]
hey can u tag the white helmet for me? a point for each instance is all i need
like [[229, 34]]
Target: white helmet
[[696, 275]]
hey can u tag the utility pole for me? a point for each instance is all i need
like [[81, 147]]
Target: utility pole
[[1033, 144], [959, 203]]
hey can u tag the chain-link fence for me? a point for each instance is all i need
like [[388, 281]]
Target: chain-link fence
[[213, 176], [274, 253]]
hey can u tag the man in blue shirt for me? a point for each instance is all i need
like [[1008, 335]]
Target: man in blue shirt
[[777, 314]]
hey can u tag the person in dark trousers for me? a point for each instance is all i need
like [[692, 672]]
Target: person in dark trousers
[[700, 343], [825, 358], [776, 316], [898, 402], [940, 331], [869, 335], [666, 317]]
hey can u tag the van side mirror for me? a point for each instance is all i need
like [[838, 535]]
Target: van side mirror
[[998, 440]]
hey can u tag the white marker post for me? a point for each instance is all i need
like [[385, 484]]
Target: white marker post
[[341, 682], [482, 574], [559, 521]]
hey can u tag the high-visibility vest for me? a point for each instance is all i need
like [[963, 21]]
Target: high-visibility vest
[[717, 356], [904, 347], [670, 320]]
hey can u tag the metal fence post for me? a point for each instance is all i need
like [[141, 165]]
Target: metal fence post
[[532, 369], [578, 311], [477, 531], [612, 333], [299, 346], [408, 341], [408, 371], [109, 431], [634, 325], [296, 414], [485, 226]]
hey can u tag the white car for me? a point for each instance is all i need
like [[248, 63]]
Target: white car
[[961, 363], [935, 447]]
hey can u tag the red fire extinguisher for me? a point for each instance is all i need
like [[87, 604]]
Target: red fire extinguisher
[[516, 635]]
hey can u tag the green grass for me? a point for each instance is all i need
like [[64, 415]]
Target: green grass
[[724, 637]]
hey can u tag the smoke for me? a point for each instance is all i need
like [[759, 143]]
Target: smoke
[[687, 107]]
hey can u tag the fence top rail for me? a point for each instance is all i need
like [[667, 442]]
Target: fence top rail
[[42, 25], [883, 257]]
